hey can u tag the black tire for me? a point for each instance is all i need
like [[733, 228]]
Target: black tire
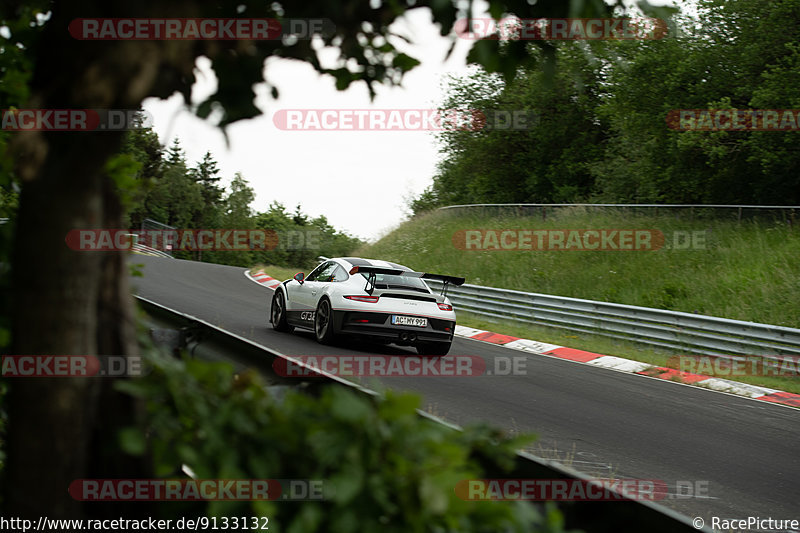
[[323, 322], [433, 348], [277, 314]]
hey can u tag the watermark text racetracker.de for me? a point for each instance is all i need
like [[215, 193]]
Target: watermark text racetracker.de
[[380, 365], [595, 239], [786, 366], [404, 119], [73, 366], [74, 120], [110, 240], [561, 489], [568, 489], [560, 29], [106, 490], [198, 29], [734, 120]]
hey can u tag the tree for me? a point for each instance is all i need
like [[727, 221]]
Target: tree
[[206, 174], [237, 204], [545, 155], [602, 133], [732, 56], [237, 214], [143, 145]]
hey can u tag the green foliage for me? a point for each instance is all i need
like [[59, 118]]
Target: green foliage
[[161, 186], [548, 159], [123, 170], [382, 467], [602, 134], [301, 239], [362, 36], [3, 423]]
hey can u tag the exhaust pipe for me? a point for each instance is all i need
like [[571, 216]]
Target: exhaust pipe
[[412, 337], [404, 336]]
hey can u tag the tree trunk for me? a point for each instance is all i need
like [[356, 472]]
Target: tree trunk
[[70, 302], [57, 295]]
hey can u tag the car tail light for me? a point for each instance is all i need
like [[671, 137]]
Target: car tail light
[[367, 299], [445, 307]]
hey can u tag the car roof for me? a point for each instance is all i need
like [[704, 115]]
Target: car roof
[[360, 261]]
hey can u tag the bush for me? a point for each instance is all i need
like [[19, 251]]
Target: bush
[[388, 468]]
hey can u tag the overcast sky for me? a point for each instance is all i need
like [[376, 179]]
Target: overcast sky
[[358, 179]]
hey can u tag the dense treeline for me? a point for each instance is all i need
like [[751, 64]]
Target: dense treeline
[[163, 187], [602, 133]]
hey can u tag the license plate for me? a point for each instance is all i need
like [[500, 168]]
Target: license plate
[[399, 320]]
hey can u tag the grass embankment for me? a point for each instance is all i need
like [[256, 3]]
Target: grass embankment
[[279, 273], [746, 271]]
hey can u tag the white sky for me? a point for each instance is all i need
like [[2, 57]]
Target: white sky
[[358, 179]]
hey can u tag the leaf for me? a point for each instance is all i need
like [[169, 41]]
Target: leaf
[[347, 485], [132, 441], [349, 407], [485, 52], [404, 62]]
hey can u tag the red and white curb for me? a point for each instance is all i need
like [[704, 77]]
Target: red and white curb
[[634, 367], [262, 278], [605, 361]]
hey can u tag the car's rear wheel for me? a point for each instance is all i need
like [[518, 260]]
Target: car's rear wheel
[[323, 322], [278, 313], [433, 348]]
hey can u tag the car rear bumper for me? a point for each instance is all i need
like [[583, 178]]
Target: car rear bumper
[[378, 325]]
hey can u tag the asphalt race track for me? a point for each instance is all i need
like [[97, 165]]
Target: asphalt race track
[[744, 453]]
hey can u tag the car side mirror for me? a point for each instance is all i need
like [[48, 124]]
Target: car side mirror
[[300, 277]]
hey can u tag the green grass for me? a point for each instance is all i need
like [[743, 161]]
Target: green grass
[[747, 271], [279, 273]]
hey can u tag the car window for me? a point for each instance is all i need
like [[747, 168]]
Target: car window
[[389, 281], [315, 272], [339, 274], [323, 274]]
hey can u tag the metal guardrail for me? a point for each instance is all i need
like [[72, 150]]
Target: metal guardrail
[[620, 513], [685, 332], [143, 249], [146, 250]]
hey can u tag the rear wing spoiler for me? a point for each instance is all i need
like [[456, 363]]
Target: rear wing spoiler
[[371, 272], [377, 270], [446, 279]]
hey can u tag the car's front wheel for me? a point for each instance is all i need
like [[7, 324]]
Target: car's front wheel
[[433, 348], [278, 313], [323, 322]]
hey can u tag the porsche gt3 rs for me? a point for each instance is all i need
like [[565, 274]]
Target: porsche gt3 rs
[[366, 297]]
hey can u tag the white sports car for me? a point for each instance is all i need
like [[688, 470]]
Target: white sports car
[[378, 299]]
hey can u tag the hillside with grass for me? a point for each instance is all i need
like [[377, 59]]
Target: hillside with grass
[[747, 270]]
